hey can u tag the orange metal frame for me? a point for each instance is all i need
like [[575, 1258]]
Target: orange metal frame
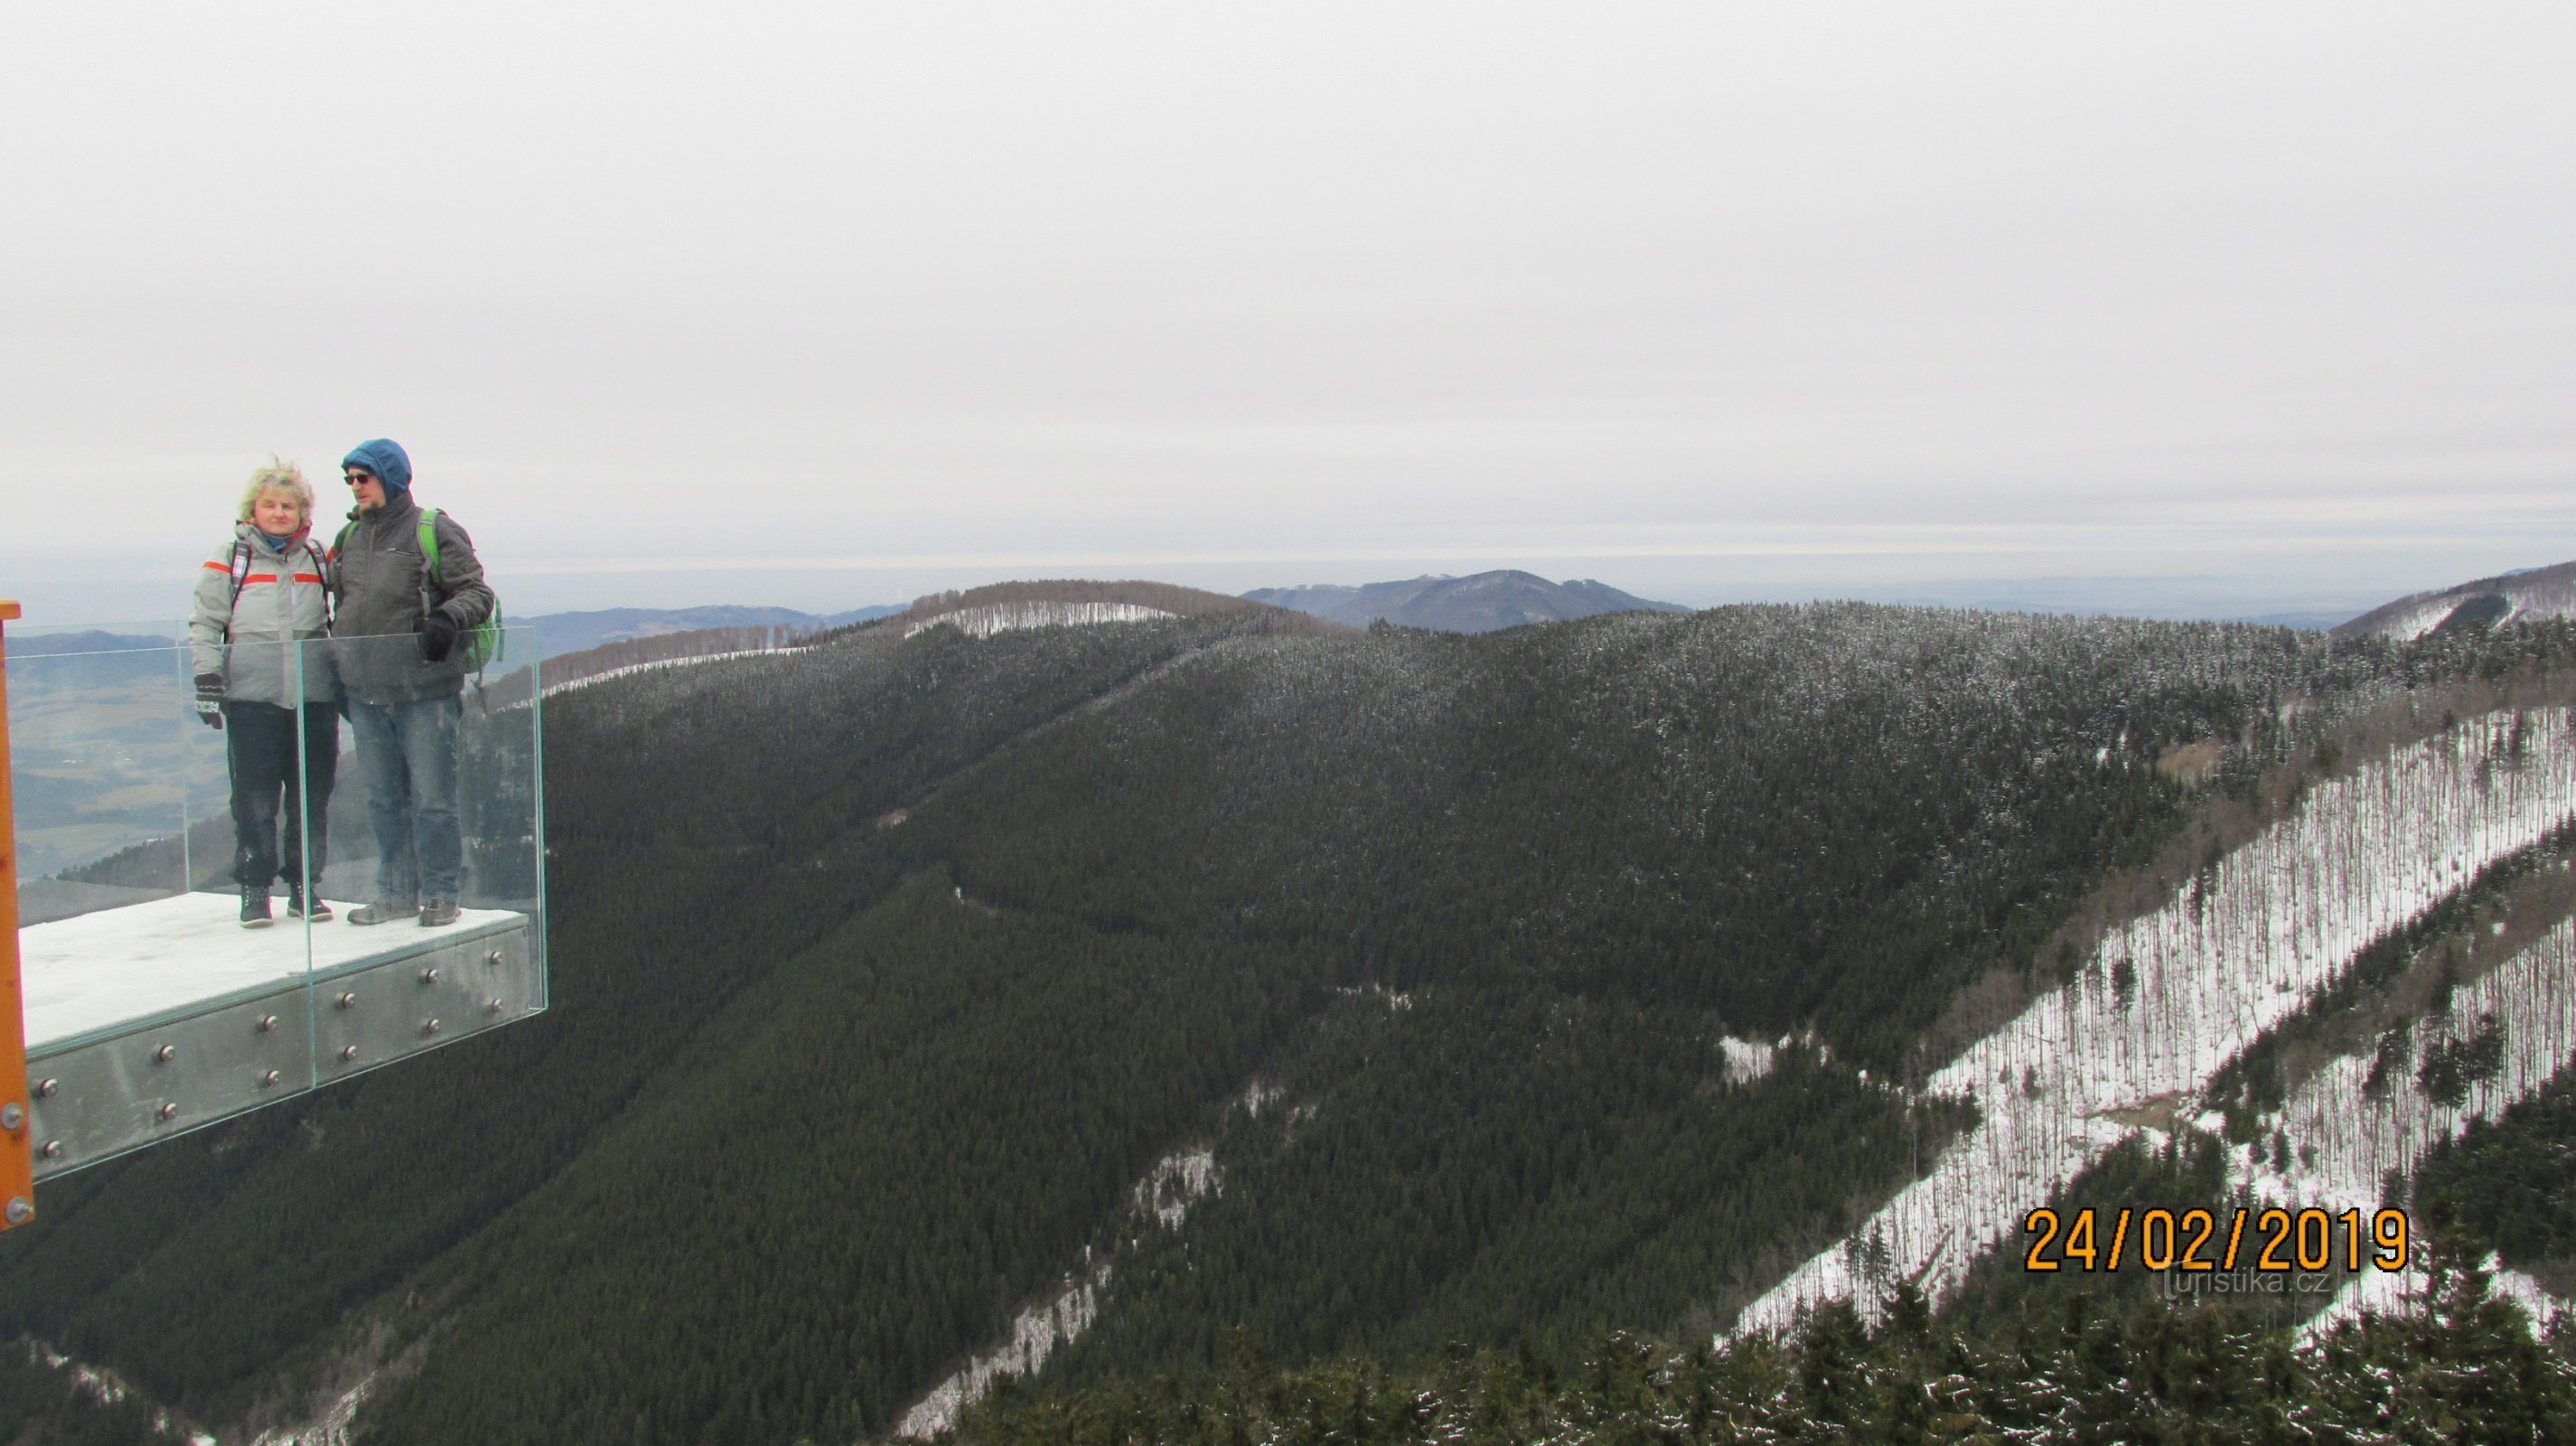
[[17, 1163]]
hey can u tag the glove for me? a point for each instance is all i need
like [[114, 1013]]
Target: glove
[[437, 635], [210, 700]]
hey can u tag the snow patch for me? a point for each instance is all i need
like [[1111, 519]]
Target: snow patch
[[96, 1382], [657, 665], [1747, 1060], [330, 1429], [1034, 1335], [985, 621], [2536, 1302], [1397, 1000], [1177, 1182]]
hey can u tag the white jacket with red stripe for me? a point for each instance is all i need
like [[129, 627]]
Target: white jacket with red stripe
[[248, 638]]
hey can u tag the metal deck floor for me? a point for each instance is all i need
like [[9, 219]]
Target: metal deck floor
[[118, 968], [152, 1019]]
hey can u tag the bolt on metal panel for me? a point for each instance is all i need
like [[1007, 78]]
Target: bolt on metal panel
[[100, 1097], [150, 1015]]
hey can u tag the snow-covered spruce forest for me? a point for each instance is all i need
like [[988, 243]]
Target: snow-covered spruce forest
[[1593, 974], [2167, 999], [2365, 1120]]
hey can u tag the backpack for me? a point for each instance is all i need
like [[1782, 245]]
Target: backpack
[[478, 645], [241, 571], [482, 643]]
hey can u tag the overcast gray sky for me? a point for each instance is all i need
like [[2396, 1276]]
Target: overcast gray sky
[[827, 305]]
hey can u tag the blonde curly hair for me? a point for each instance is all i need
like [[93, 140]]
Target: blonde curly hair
[[277, 476]]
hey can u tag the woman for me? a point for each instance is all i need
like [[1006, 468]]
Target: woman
[[257, 599]]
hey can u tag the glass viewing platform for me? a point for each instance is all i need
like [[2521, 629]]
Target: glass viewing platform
[[150, 1008]]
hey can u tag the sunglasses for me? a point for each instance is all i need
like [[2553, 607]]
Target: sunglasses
[[354, 478]]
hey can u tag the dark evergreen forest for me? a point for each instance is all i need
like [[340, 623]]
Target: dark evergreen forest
[[2466, 1368], [884, 969]]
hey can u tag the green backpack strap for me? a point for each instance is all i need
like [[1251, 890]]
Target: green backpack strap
[[429, 544], [483, 643]]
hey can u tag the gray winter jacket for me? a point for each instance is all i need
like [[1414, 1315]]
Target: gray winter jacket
[[381, 583], [251, 638]]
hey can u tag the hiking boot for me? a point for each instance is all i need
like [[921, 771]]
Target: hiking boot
[[382, 911], [318, 913], [255, 906], [437, 913]]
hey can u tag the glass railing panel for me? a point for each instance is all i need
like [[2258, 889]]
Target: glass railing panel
[[115, 784], [434, 870], [282, 746], [153, 1004], [151, 857]]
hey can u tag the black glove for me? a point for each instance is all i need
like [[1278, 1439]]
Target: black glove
[[437, 635], [210, 700]]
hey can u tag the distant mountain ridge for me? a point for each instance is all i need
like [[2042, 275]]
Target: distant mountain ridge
[[646, 639], [2532, 593], [1479, 603], [560, 633], [1076, 602]]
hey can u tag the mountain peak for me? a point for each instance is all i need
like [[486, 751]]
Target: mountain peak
[[1481, 602], [1068, 601], [2530, 592]]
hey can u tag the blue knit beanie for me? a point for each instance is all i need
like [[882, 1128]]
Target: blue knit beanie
[[384, 457]]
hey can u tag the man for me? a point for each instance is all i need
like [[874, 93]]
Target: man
[[394, 643]]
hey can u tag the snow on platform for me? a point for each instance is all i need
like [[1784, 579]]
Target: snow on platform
[[121, 967]]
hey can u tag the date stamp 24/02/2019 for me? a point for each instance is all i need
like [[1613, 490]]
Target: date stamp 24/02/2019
[[2279, 1242]]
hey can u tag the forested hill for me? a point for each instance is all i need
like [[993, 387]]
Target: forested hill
[[2527, 595], [1199, 979], [1476, 604]]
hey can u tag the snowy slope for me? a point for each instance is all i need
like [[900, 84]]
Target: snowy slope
[[2206, 975], [657, 665], [985, 621], [1035, 1334], [2350, 1141], [2541, 592], [1164, 1197]]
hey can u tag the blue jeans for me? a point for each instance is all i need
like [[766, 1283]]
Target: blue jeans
[[407, 755]]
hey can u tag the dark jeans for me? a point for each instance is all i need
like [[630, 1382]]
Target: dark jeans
[[407, 754], [259, 745]]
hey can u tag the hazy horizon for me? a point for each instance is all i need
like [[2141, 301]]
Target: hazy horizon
[[2226, 311], [2180, 597]]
